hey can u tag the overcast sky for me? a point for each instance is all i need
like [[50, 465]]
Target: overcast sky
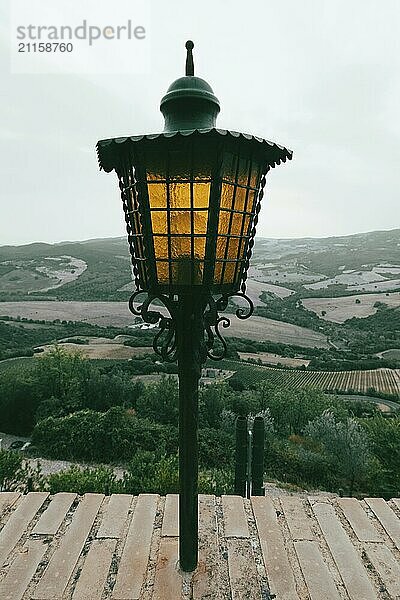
[[321, 77]]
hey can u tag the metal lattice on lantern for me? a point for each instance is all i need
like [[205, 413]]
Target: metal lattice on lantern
[[191, 197]]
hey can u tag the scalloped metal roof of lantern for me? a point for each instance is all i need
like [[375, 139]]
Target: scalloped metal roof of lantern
[[109, 151]]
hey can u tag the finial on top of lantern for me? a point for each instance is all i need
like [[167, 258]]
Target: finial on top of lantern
[[189, 58]]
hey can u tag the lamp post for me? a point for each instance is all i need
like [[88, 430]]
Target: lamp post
[[191, 197]]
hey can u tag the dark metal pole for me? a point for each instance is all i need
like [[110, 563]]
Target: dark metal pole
[[257, 470], [189, 334], [241, 456]]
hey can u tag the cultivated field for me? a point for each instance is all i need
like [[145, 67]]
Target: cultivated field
[[269, 358], [386, 381], [256, 288], [381, 286], [117, 314], [342, 308], [393, 354], [109, 351]]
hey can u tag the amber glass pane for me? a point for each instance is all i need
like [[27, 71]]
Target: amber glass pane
[[162, 271], [251, 201], [227, 195], [240, 198], [159, 221], [200, 222], [179, 195], [223, 222], [246, 224], [180, 221], [201, 195], [238, 271], [221, 247], [233, 248], [180, 247], [157, 195], [255, 175], [229, 272], [236, 226], [218, 272], [200, 247], [160, 247], [242, 248]]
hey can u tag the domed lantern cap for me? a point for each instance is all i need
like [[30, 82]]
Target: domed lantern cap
[[190, 102]]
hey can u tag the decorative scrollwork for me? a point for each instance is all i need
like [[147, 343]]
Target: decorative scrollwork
[[165, 341], [243, 312]]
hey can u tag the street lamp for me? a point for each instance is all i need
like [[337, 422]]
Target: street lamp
[[191, 197]]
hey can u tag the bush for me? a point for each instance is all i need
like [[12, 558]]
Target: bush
[[160, 402], [295, 463], [148, 474], [10, 470], [216, 448], [18, 402], [79, 480], [384, 439], [145, 474], [216, 481], [344, 443], [116, 435], [17, 474]]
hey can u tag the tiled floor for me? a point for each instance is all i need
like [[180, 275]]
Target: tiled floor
[[122, 547]]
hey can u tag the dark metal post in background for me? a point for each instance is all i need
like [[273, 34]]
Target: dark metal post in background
[[189, 335], [249, 457], [257, 470], [241, 456]]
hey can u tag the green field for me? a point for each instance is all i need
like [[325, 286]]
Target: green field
[[384, 381]]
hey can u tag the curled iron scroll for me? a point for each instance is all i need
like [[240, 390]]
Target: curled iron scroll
[[164, 343]]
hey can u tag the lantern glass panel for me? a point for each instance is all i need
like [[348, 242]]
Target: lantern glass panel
[[157, 195], [240, 181], [179, 183]]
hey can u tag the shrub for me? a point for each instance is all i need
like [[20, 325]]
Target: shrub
[[345, 443], [116, 435], [216, 481], [17, 474], [79, 480], [384, 439], [160, 402]]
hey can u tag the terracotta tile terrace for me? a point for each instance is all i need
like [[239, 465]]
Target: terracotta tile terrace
[[122, 547]]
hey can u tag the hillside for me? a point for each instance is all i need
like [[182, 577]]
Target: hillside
[[338, 292], [100, 269]]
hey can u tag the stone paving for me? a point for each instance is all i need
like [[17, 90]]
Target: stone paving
[[122, 547]]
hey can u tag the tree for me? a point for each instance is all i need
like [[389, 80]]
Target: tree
[[384, 436], [18, 401], [345, 442], [160, 402], [61, 374], [211, 404]]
